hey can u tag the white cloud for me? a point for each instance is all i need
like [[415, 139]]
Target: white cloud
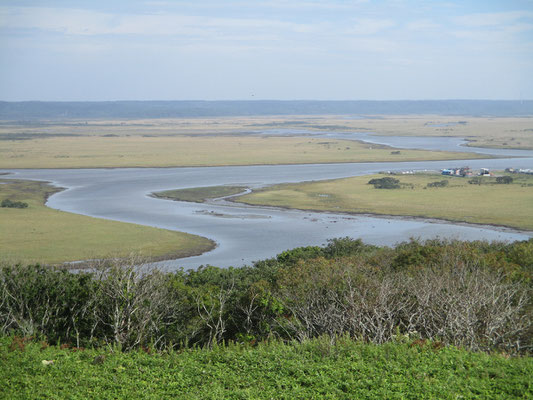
[[85, 22], [422, 25], [503, 31], [267, 4], [369, 45], [318, 4], [492, 19], [369, 26]]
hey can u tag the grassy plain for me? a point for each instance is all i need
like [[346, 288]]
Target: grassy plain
[[168, 151], [41, 234], [509, 132], [310, 370], [236, 141], [200, 194], [498, 204]]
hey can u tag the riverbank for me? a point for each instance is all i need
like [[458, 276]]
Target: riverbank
[[41, 234]]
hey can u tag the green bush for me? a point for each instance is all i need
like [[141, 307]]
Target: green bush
[[385, 183], [442, 183], [13, 204], [477, 180], [504, 179], [472, 294]]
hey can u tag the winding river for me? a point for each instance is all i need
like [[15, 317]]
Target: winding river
[[245, 234]]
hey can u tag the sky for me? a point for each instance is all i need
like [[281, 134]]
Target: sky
[[58, 50]]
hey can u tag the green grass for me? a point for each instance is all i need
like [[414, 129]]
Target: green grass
[[311, 370], [498, 204], [41, 234], [200, 194]]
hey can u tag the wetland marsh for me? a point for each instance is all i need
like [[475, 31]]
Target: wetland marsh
[[244, 234]]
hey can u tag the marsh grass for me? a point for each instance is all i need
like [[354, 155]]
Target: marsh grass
[[208, 150], [40, 234], [200, 194], [508, 205]]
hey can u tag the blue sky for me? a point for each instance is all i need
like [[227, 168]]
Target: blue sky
[[272, 49]]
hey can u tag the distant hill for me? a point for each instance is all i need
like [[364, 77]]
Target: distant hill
[[34, 110]]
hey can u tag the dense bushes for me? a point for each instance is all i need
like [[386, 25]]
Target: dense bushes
[[385, 183], [435, 184], [471, 294]]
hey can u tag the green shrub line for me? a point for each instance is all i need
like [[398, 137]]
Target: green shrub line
[[474, 295]]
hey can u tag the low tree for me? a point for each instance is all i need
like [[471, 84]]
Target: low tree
[[385, 183]]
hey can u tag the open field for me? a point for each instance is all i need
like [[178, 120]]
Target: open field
[[201, 194], [41, 234], [313, 369], [166, 151], [510, 133], [235, 140], [498, 204], [505, 132]]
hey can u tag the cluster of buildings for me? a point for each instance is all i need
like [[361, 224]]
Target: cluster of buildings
[[466, 171], [463, 171]]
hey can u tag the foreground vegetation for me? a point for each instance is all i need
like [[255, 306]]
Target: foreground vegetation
[[405, 369], [38, 233], [347, 320], [461, 199], [476, 295]]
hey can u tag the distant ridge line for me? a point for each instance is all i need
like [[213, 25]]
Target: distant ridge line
[[132, 109]]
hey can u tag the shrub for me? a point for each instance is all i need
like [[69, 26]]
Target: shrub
[[346, 246], [504, 180], [442, 183], [6, 203], [385, 183], [472, 294]]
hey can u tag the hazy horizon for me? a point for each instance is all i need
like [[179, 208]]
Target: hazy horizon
[[118, 100], [329, 50]]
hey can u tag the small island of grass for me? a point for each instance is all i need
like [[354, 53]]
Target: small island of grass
[[200, 194]]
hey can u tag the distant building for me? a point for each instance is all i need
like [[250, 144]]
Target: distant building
[[463, 171]]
